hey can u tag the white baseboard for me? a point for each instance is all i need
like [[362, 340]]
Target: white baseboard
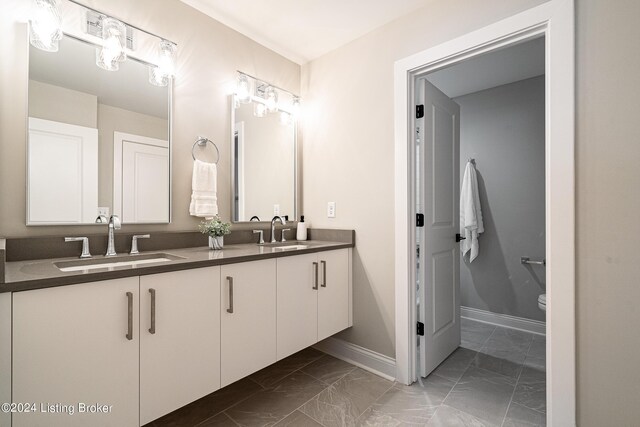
[[368, 360], [504, 320]]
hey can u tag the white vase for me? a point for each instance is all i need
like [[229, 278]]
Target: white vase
[[216, 242]]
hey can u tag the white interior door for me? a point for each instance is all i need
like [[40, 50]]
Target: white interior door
[[62, 173], [141, 179], [438, 193]]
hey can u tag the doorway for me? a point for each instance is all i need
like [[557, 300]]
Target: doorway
[[554, 21]]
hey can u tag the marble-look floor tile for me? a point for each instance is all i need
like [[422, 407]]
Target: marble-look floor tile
[[519, 416], [506, 339], [539, 363], [274, 373], [531, 390], [408, 405], [344, 401], [502, 362], [298, 419], [483, 394], [328, 369], [474, 334], [456, 364], [447, 416], [269, 406], [210, 405], [220, 420]]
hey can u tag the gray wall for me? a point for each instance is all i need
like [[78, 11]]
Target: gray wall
[[503, 130]]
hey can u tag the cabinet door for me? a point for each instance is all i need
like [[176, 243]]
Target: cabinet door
[[248, 318], [333, 295], [180, 349], [70, 347], [297, 303]]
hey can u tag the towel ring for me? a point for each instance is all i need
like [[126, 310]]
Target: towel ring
[[202, 141]]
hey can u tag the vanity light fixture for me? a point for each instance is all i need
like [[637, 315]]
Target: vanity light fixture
[[271, 99], [285, 118], [295, 107], [45, 25], [113, 50], [165, 69], [243, 89]]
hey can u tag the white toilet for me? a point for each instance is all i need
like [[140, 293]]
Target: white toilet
[[542, 302]]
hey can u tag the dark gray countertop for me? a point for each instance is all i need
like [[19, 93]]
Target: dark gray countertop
[[38, 274]]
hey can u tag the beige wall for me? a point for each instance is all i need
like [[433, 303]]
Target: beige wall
[[348, 146], [608, 202], [114, 119], [209, 54], [50, 102]]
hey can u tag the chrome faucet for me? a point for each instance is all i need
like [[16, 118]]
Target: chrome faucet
[[114, 224], [273, 227]]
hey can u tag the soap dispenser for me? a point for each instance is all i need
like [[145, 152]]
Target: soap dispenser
[[301, 232]]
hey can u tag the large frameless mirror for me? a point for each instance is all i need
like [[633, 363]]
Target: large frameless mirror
[[264, 154], [98, 140]]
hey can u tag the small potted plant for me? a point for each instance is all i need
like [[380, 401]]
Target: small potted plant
[[216, 230]]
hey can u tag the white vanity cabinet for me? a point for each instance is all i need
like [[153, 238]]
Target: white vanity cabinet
[[313, 299], [248, 318], [179, 339], [73, 345]]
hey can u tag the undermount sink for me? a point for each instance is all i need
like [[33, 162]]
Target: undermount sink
[[125, 261], [289, 247]]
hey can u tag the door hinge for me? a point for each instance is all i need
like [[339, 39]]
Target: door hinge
[[419, 220], [420, 329], [419, 111]]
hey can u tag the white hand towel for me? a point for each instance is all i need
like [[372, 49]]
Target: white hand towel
[[204, 199], [471, 224]]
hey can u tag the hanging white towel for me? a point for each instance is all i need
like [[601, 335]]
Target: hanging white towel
[[471, 224], [204, 199]]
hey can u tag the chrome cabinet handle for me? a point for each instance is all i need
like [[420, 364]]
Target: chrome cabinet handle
[[130, 316], [152, 329], [324, 273], [230, 280], [315, 276]]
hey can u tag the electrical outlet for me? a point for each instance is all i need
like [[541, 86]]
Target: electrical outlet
[[103, 211], [331, 210], [276, 209]]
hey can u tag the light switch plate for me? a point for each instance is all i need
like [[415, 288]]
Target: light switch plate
[[331, 210], [276, 209]]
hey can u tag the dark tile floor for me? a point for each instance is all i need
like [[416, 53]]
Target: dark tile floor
[[496, 378]]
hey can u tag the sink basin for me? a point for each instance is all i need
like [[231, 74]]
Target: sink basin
[[289, 247], [125, 261]]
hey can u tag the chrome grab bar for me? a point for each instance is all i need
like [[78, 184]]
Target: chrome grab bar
[[527, 260]]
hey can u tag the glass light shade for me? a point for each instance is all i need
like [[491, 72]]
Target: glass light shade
[[243, 92], [157, 77], [271, 99], [114, 42], [167, 58], [45, 25], [295, 107], [106, 61], [285, 118], [259, 109]]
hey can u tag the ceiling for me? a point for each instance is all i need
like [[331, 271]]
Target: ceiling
[[74, 67], [501, 67], [303, 30]]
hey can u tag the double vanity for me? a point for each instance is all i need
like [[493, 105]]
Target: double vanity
[[138, 336]]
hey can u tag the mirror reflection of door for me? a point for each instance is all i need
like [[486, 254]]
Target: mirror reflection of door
[[141, 178]]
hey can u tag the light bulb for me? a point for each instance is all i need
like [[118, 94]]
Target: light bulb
[[113, 48], [259, 109], [45, 25], [285, 118], [243, 92], [271, 99], [295, 107]]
